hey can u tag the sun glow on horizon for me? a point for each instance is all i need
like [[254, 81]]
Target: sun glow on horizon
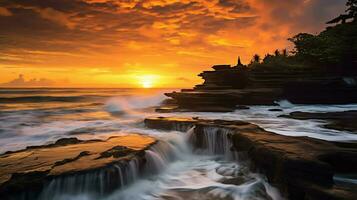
[[148, 81], [147, 84]]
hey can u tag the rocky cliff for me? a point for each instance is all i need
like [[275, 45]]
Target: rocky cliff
[[226, 87]]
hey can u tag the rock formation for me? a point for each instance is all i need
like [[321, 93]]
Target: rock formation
[[302, 168], [342, 121], [226, 87], [27, 172]]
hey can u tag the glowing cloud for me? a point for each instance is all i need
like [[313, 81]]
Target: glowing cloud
[[67, 40]]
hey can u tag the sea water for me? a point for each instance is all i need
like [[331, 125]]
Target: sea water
[[175, 170]]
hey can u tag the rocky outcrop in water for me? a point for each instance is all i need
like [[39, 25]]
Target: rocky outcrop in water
[[72, 165], [226, 87], [342, 121], [301, 167]]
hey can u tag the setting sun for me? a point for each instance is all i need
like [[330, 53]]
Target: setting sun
[[147, 81], [147, 84]]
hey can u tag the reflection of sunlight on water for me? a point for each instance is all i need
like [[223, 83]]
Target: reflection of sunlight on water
[[122, 114], [98, 112], [134, 106]]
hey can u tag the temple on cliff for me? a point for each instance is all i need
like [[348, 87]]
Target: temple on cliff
[[228, 86]]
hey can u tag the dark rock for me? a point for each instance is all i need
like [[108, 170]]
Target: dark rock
[[236, 180], [221, 67], [276, 110], [228, 86], [223, 100], [240, 107], [67, 141], [68, 160], [116, 152], [343, 121]]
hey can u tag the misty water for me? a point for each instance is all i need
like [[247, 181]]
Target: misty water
[[174, 170]]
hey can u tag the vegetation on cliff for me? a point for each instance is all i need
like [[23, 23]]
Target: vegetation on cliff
[[334, 49]]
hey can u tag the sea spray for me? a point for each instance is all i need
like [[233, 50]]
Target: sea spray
[[133, 105], [284, 104]]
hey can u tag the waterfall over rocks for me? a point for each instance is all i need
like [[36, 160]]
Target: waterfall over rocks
[[213, 141], [199, 161], [94, 183], [101, 183]]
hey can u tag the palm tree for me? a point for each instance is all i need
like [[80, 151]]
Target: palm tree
[[256, 58], [285, 53], [277, 53]]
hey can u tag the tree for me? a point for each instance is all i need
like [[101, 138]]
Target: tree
[[351, 13], [352, 9], [285, 53], [277, 53], [305, 44], [256, 58]]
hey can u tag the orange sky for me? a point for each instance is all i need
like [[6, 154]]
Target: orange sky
[[132, 43]]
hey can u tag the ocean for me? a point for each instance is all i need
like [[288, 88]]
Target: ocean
[[40, 116]]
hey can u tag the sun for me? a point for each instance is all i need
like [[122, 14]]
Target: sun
[[146, 84], [147, 81]]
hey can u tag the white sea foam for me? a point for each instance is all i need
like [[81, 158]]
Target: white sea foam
[[178, 171]]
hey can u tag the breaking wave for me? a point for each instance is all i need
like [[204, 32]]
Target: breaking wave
[[133, 104], [37, 99]]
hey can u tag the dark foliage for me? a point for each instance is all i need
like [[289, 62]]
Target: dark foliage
[[334, 49]]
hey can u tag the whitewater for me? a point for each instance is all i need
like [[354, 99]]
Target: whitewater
[[175, 169]]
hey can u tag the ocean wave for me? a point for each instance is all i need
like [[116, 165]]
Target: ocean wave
[[34, 91], [133, 104], [36, 99]]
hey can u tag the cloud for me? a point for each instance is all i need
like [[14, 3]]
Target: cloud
[[193, 34], [5, 12], [183, 79], [21, 82]]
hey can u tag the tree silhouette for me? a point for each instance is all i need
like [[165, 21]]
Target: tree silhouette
[[352, 8], [256, 58], [277, 53], [285, 53], [351, 13]]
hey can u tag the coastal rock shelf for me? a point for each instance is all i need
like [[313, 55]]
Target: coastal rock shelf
[[301, 167], [226, 87], [103, 164], [342, 121]]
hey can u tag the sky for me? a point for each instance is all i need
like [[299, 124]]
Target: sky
[[144, 43]]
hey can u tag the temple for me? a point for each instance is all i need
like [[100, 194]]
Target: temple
[[226, 87]]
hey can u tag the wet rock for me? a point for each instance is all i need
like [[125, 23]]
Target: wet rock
[[66, 141], [236, 180], [60, 142], [343, 121], [301, 167], [240, 107], [116, 152], [223, 100], [68, 160], [29, 170], [276, 110], [206, 193]]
